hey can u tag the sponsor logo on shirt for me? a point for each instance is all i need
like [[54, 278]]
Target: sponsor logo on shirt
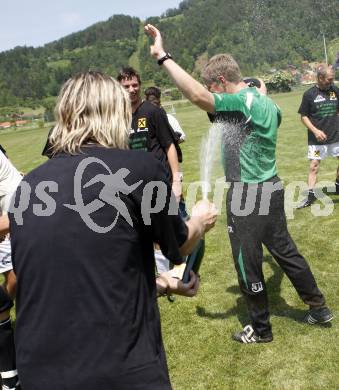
[[142, 126], [141, 123], [333, 96], [319, 99]]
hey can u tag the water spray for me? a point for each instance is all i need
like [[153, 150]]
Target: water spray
[[208, 152]]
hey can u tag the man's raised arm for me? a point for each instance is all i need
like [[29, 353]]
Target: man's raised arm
[[192, 89]]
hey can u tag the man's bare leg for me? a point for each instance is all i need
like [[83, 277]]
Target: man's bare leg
[[312, 179]]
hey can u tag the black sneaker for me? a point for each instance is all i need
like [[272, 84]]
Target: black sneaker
[[307, 201], [11, 383], [320, 315], [15, 386], [248, 336], [337, 188]]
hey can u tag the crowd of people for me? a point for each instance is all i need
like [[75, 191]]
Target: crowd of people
[[89, 267]]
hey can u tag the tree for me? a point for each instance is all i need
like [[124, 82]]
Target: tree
[[49, 105], [279, 82]]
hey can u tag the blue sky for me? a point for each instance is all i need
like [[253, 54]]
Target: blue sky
[[36, 22]]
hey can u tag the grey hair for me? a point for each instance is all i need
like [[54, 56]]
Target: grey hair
[[323, 69]]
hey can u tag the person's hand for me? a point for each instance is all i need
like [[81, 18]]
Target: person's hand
[[176, 286], [177, 189], [320, 136], [157, 49], [262, 89], [207, 212]]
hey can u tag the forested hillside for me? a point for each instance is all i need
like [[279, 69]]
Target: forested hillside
[[28, 73], [260, 34]]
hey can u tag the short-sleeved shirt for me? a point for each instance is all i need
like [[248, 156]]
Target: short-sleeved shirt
[[152, 132], [173, 121], [322, 109], [87, 316], [9, 181], [249, 123]]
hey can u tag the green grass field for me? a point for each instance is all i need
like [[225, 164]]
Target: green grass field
[[197, 332]]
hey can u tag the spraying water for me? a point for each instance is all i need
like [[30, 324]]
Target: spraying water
[[229, 134], [208, 153]]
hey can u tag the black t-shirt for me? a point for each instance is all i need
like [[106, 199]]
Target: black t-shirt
[[87, 316], [152, 132], [322, 109]]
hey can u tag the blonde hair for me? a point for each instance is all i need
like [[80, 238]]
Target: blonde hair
[[221, 65], [91, 107]]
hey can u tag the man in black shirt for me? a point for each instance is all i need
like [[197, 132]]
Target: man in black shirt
[[151, 130], [319, 112]]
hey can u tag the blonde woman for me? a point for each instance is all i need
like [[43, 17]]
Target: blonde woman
[[82, 237]]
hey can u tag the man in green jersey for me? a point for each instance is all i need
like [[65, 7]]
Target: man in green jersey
[[255, 201]]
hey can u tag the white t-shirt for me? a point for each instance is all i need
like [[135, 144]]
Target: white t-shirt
[[9, 181], [176, 126]]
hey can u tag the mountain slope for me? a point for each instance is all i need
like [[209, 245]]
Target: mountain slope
[[261, 34]]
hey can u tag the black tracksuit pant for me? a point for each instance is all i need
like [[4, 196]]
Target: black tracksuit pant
[[256, 216]]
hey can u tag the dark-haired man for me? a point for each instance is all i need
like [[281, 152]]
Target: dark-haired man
[[251, 120], [153, 95], [151, 130], [319, 112]]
